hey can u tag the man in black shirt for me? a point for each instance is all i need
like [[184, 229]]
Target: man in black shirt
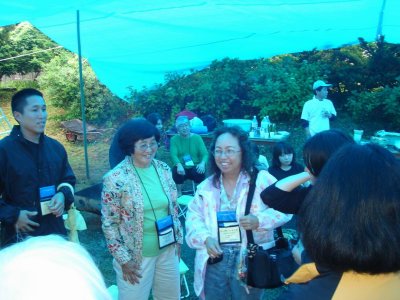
[[36, 180]]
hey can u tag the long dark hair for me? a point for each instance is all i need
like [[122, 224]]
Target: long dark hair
[[350, 220], [248, 157]]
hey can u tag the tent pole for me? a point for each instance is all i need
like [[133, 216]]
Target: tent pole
[[379, 29], [82, 93]]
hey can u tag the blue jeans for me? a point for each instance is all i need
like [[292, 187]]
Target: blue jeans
[[221, 281]]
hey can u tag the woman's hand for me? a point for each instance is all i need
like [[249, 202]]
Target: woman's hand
[[297, 251], [201, 168], [131, 272], [213, 248], [249, 222]]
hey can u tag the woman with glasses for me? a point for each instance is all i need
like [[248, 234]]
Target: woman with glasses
[[188, 154], [140, 217], [215, 222]]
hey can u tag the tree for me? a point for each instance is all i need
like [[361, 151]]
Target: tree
[[22, 39], [60, 82]]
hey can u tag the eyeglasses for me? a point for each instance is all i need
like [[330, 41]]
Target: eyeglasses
[[228, 153], [144, 147], [183, 125]]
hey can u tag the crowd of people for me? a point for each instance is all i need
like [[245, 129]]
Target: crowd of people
[[346, 200]]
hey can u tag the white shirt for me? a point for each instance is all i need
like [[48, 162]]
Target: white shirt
[[313, 113]]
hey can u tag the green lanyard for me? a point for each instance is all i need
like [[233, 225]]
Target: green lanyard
[[145, 190]]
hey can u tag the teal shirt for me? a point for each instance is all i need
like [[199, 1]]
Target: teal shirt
[[159, 201], [193, 145]]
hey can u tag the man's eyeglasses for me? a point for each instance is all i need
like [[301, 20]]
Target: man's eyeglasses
[[183, 126], [144, 147], [228, 153]]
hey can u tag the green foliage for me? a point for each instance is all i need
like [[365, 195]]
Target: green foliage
[[23, 39], [279, 86], [60, 82], [380, 105], [365, 79]]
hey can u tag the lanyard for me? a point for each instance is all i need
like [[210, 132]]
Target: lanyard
[[224, 195], [145, 190]]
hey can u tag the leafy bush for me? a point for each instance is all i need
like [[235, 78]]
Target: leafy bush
[[60, 82], [381, 104]]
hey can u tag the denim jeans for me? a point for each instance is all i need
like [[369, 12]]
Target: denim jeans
[[221, 282]]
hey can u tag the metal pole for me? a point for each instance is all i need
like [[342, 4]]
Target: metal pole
[[380, 21], [82, 94]]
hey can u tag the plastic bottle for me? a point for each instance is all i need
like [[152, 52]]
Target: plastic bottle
[[264, 127], [254, 126]]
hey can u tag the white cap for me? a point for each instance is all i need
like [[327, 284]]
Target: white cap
[[320, 83]]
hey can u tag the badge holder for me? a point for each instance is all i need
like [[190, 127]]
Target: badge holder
[[187, 159], [165, 231], [45, 195], [228, 228]]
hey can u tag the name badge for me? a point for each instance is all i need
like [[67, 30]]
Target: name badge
[[188, 160], [45, 195], [228, 228], [165, 232]]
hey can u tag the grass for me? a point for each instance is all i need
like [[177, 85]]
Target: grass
[[92, 239]]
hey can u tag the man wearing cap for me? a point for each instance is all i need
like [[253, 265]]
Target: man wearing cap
[[318, 111]]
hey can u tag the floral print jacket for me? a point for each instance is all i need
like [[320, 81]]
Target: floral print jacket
[[123, 209], [201, 220]]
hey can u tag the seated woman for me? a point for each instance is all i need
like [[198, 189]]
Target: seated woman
[[224, 194], [349, 224], [140, 217], [284, 161], [188, 154], [287, 194], [156, 120]]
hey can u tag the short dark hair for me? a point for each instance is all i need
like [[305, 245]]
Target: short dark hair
[[18, 100], [248, 157], [133, 131], [319, 148], [153, 118], [350, 219], [279, 149]]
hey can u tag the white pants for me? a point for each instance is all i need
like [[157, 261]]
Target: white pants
[[159, 274]]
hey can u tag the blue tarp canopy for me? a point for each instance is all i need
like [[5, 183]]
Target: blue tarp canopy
[[135, 43]]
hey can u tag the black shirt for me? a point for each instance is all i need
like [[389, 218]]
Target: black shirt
[[279, 174]]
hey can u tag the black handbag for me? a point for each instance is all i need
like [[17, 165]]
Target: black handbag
[[267, 268]]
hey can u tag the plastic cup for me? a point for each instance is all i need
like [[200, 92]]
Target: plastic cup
[[358, 135]]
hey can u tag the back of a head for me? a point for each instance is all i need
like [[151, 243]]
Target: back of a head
[[319, 148], [351, 218], [153, 118], [49, 267]]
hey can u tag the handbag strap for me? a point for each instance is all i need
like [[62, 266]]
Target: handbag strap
[[250, 195], [253, 178]]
